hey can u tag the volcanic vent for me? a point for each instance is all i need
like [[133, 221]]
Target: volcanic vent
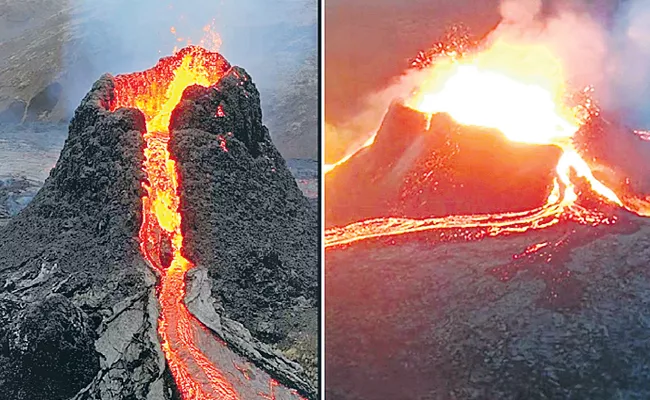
[[170, 254]]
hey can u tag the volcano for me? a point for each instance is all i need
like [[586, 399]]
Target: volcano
[[169, 255], [420, 168]]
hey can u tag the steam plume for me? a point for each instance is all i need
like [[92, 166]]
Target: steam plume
[[269, 39]]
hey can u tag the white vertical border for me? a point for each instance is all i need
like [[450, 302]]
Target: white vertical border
[[321, 193]]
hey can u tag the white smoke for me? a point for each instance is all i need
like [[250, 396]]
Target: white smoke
[[347, 138], [120, 36], [629, 75], [605, 44], [602, 43]]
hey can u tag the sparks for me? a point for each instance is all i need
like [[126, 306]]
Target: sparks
[[211, 40]]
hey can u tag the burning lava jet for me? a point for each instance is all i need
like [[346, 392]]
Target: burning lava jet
[[491, 141]]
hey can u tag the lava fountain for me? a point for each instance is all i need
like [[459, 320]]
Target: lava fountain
[[156, 92], [519, 90]]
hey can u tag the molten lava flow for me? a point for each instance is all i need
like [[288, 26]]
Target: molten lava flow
[[328, 167], [471, 227], [156, 92], [519, 90]]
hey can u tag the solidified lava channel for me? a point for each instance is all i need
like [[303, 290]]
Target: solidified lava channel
[[156, 92]]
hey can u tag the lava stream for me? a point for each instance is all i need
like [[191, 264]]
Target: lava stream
[[329, 167], [482, 225], [156, 92]]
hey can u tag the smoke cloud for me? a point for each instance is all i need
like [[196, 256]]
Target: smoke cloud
[[271, 40], [605, 44], [344, 138]]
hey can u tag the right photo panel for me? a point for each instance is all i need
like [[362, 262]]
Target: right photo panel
[[486, 197]]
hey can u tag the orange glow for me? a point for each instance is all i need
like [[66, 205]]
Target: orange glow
[[328, 167], [156, 92], [519, 90]]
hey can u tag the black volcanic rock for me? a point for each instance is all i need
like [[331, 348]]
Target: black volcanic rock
[[439, 318], [245, 219], [72, 255], [50, 350], [417, 169]]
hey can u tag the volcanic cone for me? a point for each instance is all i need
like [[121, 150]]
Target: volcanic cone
[[423, 168], [85, 302]]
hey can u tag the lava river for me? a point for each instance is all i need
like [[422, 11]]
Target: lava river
[[519, 90], [156, 92]]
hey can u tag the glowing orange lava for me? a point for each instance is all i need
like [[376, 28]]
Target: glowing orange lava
[[156, 92], [328, 167], [520, 90]]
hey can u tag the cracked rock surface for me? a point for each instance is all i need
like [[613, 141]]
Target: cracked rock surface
[[245, 218]]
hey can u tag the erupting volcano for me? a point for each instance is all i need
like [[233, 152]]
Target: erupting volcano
[[178, 254], [156, 93], [489, 240], [503, 95]]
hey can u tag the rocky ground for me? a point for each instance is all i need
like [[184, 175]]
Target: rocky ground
[[78, 307], [437, 316], [410, 318]]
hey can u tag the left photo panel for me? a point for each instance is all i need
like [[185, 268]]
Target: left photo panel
[[159, 200]]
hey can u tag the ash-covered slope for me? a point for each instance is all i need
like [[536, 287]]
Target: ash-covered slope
[[417, 169], [78, 306], [244, 217]]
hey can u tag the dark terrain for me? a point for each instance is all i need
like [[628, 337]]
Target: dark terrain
[[411, 318], [558, 313]]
